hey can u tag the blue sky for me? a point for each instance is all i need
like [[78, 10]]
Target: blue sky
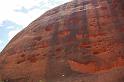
[[17, 14]]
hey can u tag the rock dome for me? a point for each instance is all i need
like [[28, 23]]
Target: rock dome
[[80, 41]]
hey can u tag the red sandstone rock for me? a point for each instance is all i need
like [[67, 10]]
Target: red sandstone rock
[[81, 41]]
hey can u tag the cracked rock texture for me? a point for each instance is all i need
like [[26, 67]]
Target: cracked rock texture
[[80, 41]]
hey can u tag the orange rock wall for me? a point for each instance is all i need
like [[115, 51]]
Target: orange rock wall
[[77, 38]]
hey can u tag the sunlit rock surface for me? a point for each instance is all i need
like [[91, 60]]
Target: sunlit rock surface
[[80, 41]]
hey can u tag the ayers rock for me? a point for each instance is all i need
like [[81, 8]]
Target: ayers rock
[[80, 41]]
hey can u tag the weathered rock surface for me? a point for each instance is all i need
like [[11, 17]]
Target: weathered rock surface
[[80, 41]]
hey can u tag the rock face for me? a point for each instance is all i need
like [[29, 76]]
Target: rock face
[[80, 41]]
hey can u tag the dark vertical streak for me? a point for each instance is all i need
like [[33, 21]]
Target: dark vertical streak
[[74, 28], [72, 34], [51, 57], [84, 29], [115, 14], [116, 23], [85, 23], [85, 20], [95, 4]]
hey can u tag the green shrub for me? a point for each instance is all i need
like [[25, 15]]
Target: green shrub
[[41, 81], [1, 81]]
